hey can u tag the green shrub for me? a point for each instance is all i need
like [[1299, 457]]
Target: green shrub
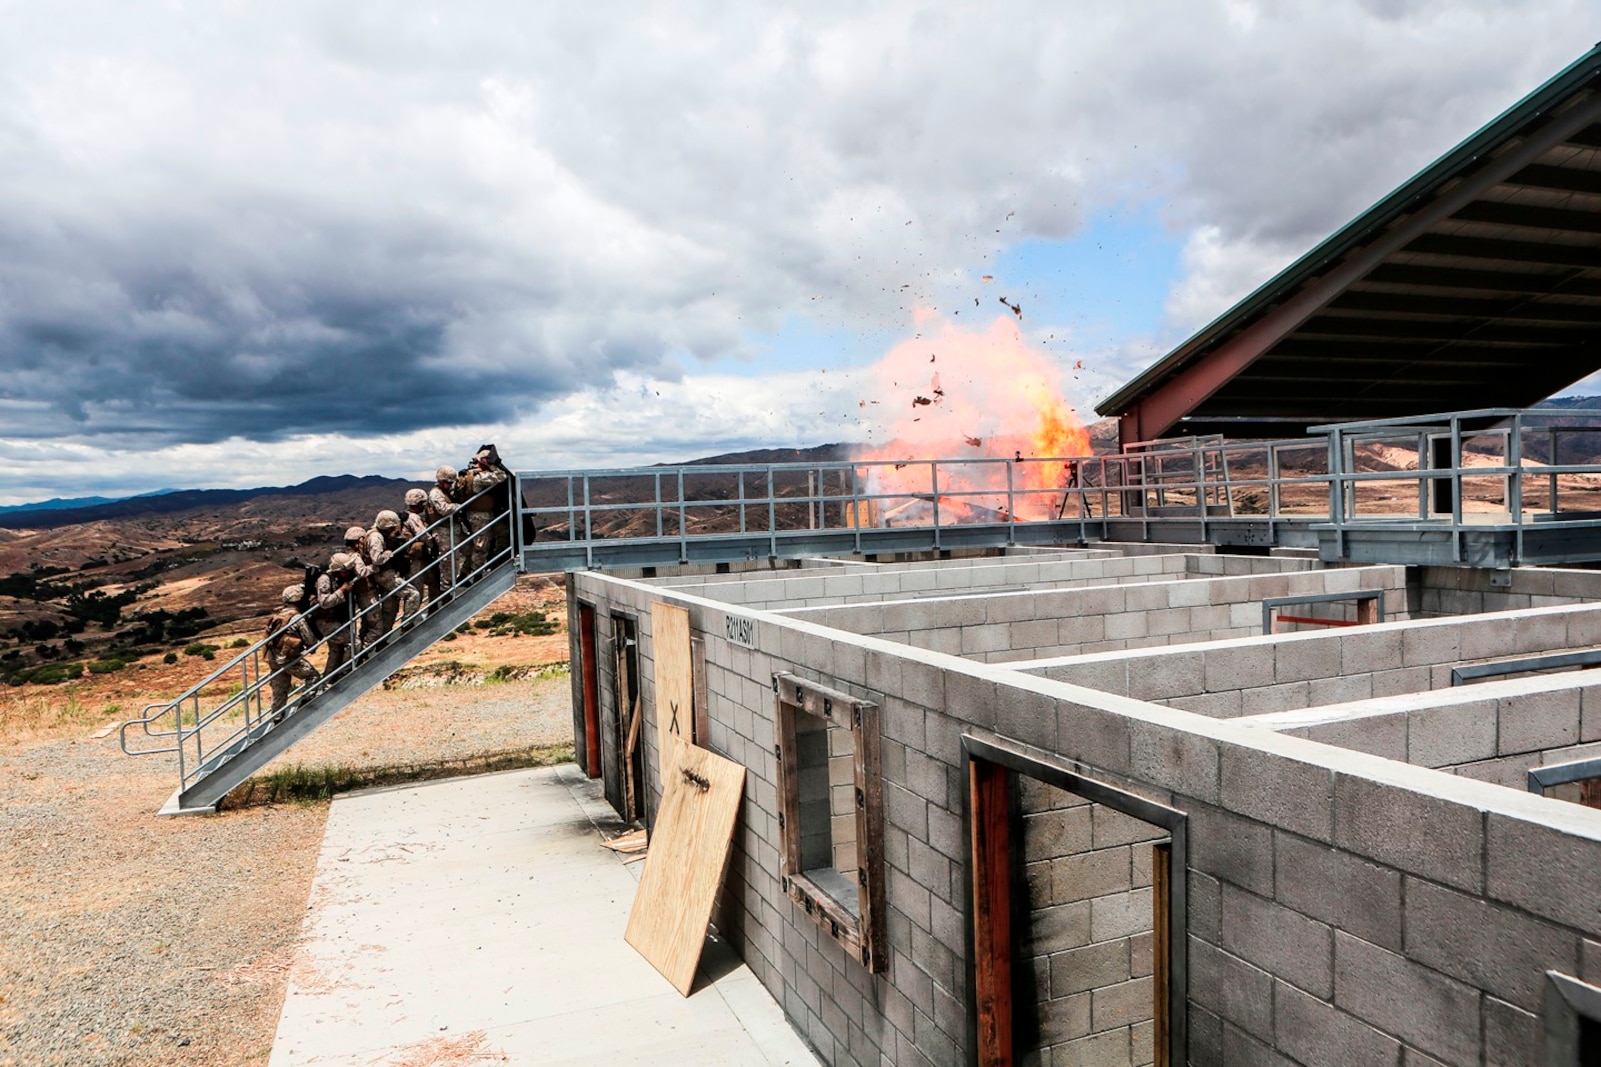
[[240, 642], [106, 666], [170, 658], [200, 648], [56, 673]]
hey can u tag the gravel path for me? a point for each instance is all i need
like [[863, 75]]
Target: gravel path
[[131, 939]]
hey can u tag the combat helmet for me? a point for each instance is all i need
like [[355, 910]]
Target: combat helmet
[[386, 520]]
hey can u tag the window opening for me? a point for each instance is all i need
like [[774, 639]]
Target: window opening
[[1359, 608], [830, 816], [1572, 1022]]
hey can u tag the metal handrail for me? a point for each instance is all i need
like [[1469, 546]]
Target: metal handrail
[[182, 720], [1310, 481]]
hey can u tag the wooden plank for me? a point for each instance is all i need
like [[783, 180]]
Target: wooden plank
[[688, 851], [1161, 948], [992, 911], [675, 681]]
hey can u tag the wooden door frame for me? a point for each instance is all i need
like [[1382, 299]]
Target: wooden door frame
[[994, 903], [589, 682]]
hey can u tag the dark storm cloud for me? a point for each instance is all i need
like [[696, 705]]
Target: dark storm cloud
[[373, 219]]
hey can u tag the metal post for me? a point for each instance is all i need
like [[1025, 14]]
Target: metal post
[[1336, 447], [772, 515], [1515, 481], [1456, 488], [933, 481], [589, 529], [856, 509], [741, 501], [683, 523], [658, 481], [1553, 461], [1011, 506]]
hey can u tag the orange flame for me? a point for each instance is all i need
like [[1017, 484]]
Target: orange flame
[[960, 394]]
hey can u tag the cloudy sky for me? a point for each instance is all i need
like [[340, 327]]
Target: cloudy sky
[[248, 243]]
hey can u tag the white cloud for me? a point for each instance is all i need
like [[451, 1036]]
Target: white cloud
[[319, 235]]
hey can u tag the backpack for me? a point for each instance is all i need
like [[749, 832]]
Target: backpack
[[288, 644]]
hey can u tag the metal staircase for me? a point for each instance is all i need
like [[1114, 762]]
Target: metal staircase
[[223, 729]]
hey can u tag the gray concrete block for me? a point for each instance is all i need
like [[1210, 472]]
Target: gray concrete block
[[1397, 682], [1098, 1050], [1205, 905], [1059, 928], [1339, 690], [1283, 792], [1533, 721], [1419, 834], [1090, 874], [1491, 947], [1338, 888], [1240, 667], [1172, 759], [1121, 1005], [1231, 848], [1164, 677], [1231, 988], [1091, 967], [1290, 696], [1282, 942], [1319, 1035], [1212, 705], [1544, 871], [1367, 652], [1454, 733], [1423, 645], [1063, 1019], [1377, 735], [1511, 1036], [1420, 1006], [1300, 661], [1113, 827], [1240, 1049], [1052, 834], [1120, 915]]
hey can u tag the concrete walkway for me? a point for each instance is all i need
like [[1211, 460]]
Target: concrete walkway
[[478, 920]]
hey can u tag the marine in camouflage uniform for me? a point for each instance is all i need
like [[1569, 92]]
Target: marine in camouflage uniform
[[479, 513], [381, 550], [441, 502], [424, 551], [335, 590], [363, 591], [289, 638]]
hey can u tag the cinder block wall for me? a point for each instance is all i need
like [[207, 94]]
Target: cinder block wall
[[1469, 590], [1087, 870], [1256, 676], [1033, 624], [1493, 731], [1343, 908], [858, 585]]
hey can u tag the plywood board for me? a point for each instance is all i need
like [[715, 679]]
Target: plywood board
[[675, 680], [688, 851]]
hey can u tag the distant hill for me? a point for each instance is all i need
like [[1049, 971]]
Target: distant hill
[[69, 513], [76, 502]]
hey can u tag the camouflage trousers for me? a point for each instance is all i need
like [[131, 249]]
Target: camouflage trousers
[[397, 594], [284, 673]]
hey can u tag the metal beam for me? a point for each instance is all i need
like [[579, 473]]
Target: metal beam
[[1531, 217], [1565, 179], [1542, 252], [1532, 283]]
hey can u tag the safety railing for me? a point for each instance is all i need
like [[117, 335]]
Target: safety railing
[[1452, 472], [229, 708]]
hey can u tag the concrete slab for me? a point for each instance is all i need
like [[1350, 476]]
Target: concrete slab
[[479, 920]]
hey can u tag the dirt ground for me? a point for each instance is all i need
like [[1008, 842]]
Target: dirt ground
[[132, 939]]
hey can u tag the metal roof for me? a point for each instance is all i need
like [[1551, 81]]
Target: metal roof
[[1477, 283]]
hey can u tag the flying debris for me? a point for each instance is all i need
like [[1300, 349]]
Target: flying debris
[[987, 278], [931, 358], [973, 442], [1016, 309], [1079, 365], [1009, 214], [921, 401]]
